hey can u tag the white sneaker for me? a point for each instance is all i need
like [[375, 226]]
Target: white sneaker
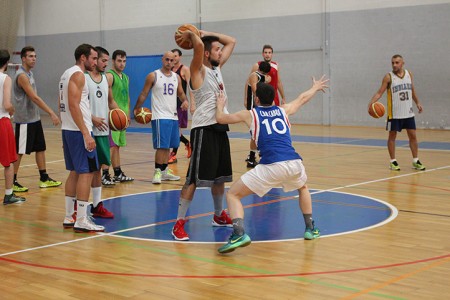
[[168, 175], [69, 221], [86, 224], [157, 176]]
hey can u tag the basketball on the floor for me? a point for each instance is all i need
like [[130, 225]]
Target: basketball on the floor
[[377, 110], [118, 119], [185, 44], [144, 115]]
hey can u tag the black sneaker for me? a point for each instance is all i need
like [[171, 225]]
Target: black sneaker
[[12, 199], [251, 163]]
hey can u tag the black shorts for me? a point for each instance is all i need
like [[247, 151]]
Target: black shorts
[[211, 159], [399, 124], [30, 138]]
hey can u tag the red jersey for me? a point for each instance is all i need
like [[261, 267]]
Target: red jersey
[[273, 73]]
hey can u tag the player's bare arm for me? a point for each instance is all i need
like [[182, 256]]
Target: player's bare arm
[[182, 95], [381, 90], [25, 84], [318, 85], [223, 118], [414, 95], [149, 81]]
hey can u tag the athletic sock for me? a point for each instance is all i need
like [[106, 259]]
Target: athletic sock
[[218, 204], [164, 167], [82, 208], [184, 140], [159, 166], [175, 150], [96, 195], [308, 220], [415, 160], [8, 192], [117, 171], [15, 177], [44, 175], [183, 206], [70, 205], [252, 154], [238, 226]]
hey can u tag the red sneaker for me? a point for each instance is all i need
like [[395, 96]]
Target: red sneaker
[[178, 231], [223, 221], [101, 212], [172, 158], [189, 150]]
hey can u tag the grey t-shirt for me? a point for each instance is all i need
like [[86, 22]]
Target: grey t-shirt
[[26, 111]]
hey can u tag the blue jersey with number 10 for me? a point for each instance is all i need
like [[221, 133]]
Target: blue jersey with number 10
[[271, 131]]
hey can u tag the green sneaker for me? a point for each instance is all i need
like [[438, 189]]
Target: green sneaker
[[12, 199], [394, 166], [234, 242], [311, 233], [49, 183], [18, 188], [157, 176], [418, 166]]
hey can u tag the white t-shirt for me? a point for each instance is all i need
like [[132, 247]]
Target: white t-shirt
[[164, 96]]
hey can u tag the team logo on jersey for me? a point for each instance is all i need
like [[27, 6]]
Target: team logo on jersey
[[99, 94]]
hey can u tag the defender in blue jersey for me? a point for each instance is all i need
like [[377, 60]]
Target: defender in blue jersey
[[280, 164]]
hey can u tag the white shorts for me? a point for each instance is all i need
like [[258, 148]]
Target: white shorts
[[289, 174]]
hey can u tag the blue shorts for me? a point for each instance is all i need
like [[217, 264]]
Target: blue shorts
[[399, 124], [165, 134], [77, 158]]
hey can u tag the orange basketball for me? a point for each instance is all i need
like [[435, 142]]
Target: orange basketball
[[186, 45], [144, 115], [118, 119], [377, 110]]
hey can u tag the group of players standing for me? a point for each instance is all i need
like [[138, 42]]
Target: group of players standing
[[87, 94]]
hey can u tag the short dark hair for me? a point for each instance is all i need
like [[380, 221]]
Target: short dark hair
[[178, 51], [23, 52], [83, 49], [266, 93], [119, 53], [101, 51], [267, 46], [208, 40], [264, 66], [397, 56], [4, 57]]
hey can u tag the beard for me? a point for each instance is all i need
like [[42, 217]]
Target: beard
[[214, 63]]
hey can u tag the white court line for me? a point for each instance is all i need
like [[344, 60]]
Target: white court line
[[48, 162], [317, 192]]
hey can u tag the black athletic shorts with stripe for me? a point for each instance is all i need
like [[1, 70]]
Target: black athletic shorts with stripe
[[30, 138], [211, 159]]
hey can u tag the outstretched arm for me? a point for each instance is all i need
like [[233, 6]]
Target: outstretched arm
[[318, 85], [223, 118]]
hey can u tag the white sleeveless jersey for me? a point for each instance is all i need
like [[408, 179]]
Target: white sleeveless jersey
[[205, 98], [3, 112], [98, 97], [164, 96], [67, 122], [399, 97]]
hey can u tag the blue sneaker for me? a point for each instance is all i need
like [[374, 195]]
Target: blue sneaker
[[311, 233], [234, 242]]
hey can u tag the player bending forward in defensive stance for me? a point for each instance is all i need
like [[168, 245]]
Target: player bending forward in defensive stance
[[279, 165]]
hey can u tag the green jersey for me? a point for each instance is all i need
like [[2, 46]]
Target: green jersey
[[120, 90]]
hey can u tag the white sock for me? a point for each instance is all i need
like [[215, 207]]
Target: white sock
[[70, 205], [392, 160], [82, 208], [415, 160], [8, 192], [96, 195]]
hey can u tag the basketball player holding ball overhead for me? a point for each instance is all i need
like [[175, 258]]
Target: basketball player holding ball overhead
[[400, 96], [210, 163]]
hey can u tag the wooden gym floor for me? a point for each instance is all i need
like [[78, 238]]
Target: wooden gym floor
[[407, 258]]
